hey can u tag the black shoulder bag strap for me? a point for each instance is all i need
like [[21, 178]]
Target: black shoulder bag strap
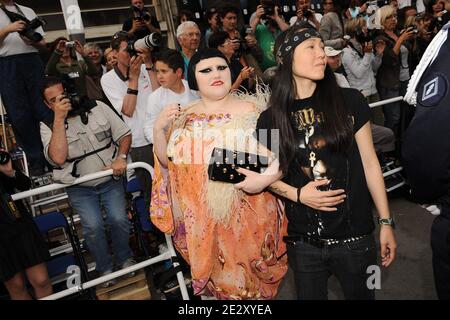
[[7, 205]]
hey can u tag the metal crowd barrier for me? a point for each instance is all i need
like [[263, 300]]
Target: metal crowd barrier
[[387, 101], [83, 286]]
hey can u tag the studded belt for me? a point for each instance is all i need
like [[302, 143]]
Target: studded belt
[[320, 243]]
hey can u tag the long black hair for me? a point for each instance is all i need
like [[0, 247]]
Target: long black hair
[[327, 99]]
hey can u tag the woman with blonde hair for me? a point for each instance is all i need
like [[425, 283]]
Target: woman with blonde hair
[[393, 69]]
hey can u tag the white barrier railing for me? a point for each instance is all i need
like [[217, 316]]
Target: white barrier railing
[[383, 102], [83, 286]]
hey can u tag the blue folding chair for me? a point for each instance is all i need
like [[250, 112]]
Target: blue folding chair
[[58, 264]]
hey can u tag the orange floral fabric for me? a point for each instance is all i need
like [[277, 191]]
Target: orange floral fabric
[[241, 260]]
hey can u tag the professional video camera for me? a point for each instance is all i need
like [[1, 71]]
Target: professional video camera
[[30, 26], [141, 15], [80, 104], [151, 41]]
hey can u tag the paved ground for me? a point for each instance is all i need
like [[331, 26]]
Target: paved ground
[[411, 275]]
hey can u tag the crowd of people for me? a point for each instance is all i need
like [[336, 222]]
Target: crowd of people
[[293, 90]]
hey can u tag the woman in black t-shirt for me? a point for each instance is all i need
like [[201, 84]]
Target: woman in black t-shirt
[[330, 170]]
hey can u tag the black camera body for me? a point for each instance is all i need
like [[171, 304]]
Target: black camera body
[[4, 157], [307, 14], [30, 26], [361, 36], [80, 104], [151, 41], [269, 10], [140, 15]]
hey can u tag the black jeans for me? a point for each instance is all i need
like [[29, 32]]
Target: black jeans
[[312, 267], [440, 244]]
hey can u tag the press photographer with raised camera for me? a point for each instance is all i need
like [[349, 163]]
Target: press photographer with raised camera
[[246, 47], [22, 72], [128, 87], [306, 14], [78, 145], [64, 62], [141, 23], [267, 24], [361, 60]]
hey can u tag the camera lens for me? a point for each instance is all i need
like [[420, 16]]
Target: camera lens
[[4, 157]]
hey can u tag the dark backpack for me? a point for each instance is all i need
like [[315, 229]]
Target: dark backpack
[[426, 145]]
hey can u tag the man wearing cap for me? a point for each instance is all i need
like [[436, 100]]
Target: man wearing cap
[[334, 60]]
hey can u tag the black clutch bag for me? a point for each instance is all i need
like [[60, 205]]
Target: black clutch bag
[[224, 163]]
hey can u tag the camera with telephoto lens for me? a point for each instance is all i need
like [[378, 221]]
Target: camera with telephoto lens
[[30, 25], [140, 15], [151, 41], [4, 157]]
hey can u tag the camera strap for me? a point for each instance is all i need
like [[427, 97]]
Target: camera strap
[[350, 44], [49, 123], [13, 16], [8, 206]]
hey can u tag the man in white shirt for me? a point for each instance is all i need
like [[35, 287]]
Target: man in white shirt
[[169, 71], [128, 87], [22, 73]]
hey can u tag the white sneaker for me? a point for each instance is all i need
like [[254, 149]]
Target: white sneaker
[[128, 263], [108, 283]]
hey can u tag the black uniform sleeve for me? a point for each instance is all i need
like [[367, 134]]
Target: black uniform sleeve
[[20, 182], [358, 107]]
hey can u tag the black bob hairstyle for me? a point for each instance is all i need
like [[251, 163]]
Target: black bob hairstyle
[[200, 55]]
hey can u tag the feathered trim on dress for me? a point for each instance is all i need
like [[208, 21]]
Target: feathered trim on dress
[[223, 199]]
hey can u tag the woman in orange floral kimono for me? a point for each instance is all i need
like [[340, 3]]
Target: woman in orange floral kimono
[[231, 239]]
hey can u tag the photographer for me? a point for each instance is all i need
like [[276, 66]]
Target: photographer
[[394, 55], [82, 138], [266, 33], [359, 60], [64, 62], [246, 46], [141, 24], [128, 87], [22, 249], [22, 72], [305, 14]]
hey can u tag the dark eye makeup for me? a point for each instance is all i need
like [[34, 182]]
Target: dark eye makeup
[[220, 68]]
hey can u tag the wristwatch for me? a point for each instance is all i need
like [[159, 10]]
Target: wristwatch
[[123, 156], [132, 91], [387, 221]]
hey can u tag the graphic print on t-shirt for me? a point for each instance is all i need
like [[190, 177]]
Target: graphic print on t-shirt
[[316, 161]]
